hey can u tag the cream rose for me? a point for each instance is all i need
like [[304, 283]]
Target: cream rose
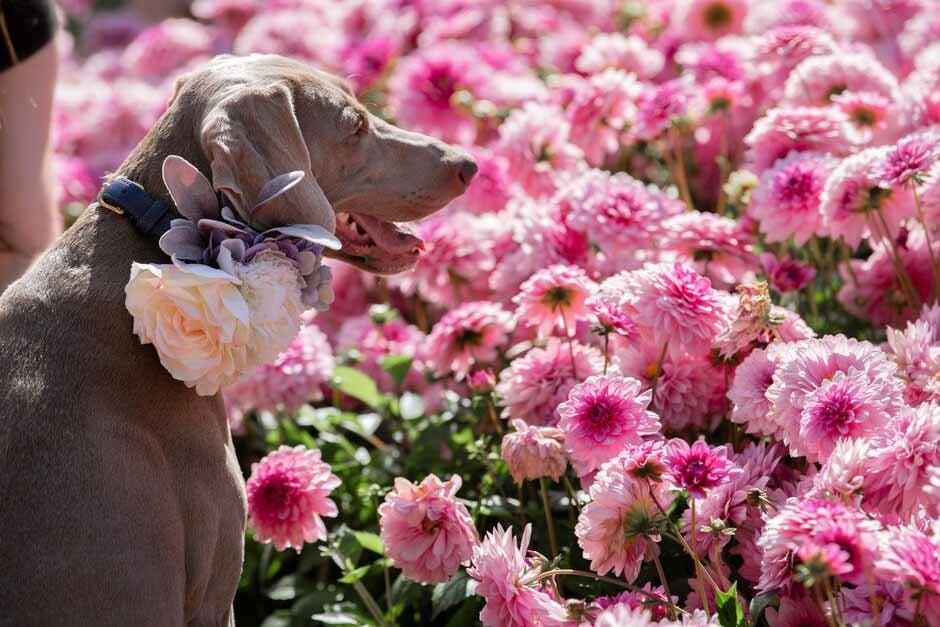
[[272, 288], [196, 318]]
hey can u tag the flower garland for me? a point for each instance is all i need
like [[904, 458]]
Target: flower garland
[[232, 299]]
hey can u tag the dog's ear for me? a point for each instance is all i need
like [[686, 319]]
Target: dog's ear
[[252, 137]]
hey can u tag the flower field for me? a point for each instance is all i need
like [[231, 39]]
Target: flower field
[[673, 358]]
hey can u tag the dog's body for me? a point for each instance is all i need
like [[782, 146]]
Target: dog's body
[[121, 501]]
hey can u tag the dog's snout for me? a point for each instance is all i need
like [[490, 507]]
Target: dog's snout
[[466, 170]]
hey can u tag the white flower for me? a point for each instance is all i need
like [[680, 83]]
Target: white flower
[[196, 318], [271, 285]]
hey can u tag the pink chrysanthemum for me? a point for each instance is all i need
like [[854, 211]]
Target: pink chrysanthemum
[[534, 452], [821, 522], [287, 494], [786, 129], [698, 468], [842, 475], [467, 336], [874, 116], [710, 19], [843, 406], [679, 306], [854, 203], [602, 416], [660, 105], [900, 463], [535, 140], [294, 378], [785, 46], [916, 350], [601, 112], [167, 47], [618, 528], [643, 598], [622, 614], [554, 296], [714, 245], [610, 317], [816, 80], [786, 274], [909, 160], [617, 51], [787, 201], [425, 530], [502, 570], [911, 557], [534, 385], [807, 366], [748, 394]]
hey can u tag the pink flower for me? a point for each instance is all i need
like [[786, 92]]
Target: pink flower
[[168, 47], [466, 336], [502, 570], [843, 406], [822, 523], [714, 245], [535, 140], [621, 615], [711, 19], [787, 201], [785, 46], [911, 557], [679, 306], [534, 385], [373, 338], [601, 112], [602, 416], [293, 379], [900, 463], [801, 611], [816, 80], [637, 600], [618, 528], [617, 51], [285, 31], [610, 317], [482, 381], [786, 129], [748, 393], [660, 105], [534, 452], [786, 274], [698, 468], [908, 160], [287, 495], [807, 366], [557, 293], [425, 530]]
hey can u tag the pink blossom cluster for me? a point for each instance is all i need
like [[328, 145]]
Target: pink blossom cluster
[[693, 290]]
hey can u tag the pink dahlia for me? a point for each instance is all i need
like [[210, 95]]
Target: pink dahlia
[[168, 47], [610, 317], [821, 523], [466, 336], [911, 557], [287, 494], [875, 117], [916, 350], [816, 80], [643, 598], [621, 614], [602, 416], [555, 294], [786, 129], [909, 160], [618, 529], [698, 468], [780, 49], [748, 393], [660, 106], [810, 366], [370, 339], [787, 201], [425, 530], [786, 274], [504, 573], [679, 306], [534, 385], [801, 610], [601, 112], [842, 475], [534, 452], [900, 463], [710, 19], [843, 406], [293, 379], [714, 245], [617, 51], [856, 206]]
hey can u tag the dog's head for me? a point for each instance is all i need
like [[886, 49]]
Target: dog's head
[[265, 115]]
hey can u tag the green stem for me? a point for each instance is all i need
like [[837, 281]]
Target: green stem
[[606, 351], [546, 505], [698, 566], [662, 580], [574, 367]]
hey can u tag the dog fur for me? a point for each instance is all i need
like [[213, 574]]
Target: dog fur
[[121, 500]]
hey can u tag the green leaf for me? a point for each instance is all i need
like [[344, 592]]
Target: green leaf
[[730, 612], [396, 365], [357, 384], [370, 541], [447, 595], [355, 575]]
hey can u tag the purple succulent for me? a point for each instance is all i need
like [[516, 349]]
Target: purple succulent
[[213, 235]]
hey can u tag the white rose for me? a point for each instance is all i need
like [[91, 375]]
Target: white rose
[[196, 318], [272, 288]]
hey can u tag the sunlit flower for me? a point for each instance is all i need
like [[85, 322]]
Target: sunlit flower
[[467, 336], [553, 297], [698, 468], [534, 452]]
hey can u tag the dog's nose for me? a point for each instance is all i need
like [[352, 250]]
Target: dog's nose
[[466, 170]]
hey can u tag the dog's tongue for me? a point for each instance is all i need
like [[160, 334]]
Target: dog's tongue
[[387, 235]]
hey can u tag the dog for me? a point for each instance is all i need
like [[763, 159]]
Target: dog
[[121, 500]]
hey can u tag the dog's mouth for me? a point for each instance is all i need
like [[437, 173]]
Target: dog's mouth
[[375, 245]]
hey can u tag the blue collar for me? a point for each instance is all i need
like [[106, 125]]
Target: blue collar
[[150, 216]]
